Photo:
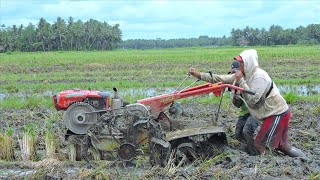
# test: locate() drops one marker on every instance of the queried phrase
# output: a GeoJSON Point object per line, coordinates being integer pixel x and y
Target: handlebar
{"type": "Point", "coordinates": [233, 87]}
{"type": "Point", "coordinates": [249, 92]}
{"type": "Point", "coordinates": [158, 103]}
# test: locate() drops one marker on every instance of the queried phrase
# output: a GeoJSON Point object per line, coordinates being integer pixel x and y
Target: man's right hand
{"type": "Point", "coordinates": [195, 73]}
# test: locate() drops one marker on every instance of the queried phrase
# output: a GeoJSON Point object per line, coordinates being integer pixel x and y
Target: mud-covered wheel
{"type": "Point", "coordinates": [185, 153]}
{"type": "Point", "coordinates": [160, 151]}
{"type": "Point", "coordinates": [159, 155]}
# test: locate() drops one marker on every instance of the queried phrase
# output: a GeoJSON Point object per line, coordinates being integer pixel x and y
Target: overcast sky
{"type": "Point", "coordinates": [167, 19]}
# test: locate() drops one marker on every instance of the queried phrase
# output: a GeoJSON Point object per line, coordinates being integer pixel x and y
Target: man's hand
{"type": "Point", "coordinates": [195, 73]}
{"type": "Point", "coordinates": [239, 75]}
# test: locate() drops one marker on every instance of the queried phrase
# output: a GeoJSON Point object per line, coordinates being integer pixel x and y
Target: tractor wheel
{"type": "Point", "coordinates": [185, 153]}
{"type": "Point", "coordinates": [159, 155]}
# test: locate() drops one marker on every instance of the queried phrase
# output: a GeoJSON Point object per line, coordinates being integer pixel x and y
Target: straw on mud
{"type": "Point", "coordinates": [6, 147]}
{"type": "Point", "coordinates": [51, 145]}
{"type": "Point", "coordinates": [170, 168]}
{"type": "Point", "coordinates": [97, 173]}
{"type": "Point", "coordinates": [51, 141]}
{"type": "Point", "coordinates": [94, 153]}
{"type": "Point", "coordinates": [206, 164]}
{"type": "Point", "coordinates": [72, 152]}
{"type": "Point", "coordinates": [28, 143]}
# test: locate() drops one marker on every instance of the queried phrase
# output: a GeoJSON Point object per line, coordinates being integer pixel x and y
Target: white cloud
{"type": "Point", "coordinates": [18, 22]}
{"type": "Point", "coordinates": [167, 18]}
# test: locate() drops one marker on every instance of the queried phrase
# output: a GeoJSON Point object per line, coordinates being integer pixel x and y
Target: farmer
{"type": "Point", "coordinates": [246, 124]}
{"type": "Point", "coordinates": [266, 104]}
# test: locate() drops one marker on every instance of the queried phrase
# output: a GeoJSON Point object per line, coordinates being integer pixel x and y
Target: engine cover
{"type": "Point", "coordinates": [98, 99]}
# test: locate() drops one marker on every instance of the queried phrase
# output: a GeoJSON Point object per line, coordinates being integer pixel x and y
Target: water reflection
{"type": "Point", "coordinates": [2, 96]}
{"type": "Point", "coordinates": [302, 90]}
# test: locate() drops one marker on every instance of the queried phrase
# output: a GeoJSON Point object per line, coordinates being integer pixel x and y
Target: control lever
{"type": "Point", "coordinates": [188, 76]}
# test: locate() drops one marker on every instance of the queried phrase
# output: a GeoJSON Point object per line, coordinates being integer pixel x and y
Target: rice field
{"type": "Point", "coordinates": [28, 80]}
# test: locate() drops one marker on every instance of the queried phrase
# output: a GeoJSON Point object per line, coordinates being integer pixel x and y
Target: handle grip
{"type": "Point", "coordinates": [249, 92]}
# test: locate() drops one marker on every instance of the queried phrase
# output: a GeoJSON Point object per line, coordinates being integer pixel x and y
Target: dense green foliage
{"type": "Point", "coordinates": [95, 35]}
{"type": "Point", "coordinates": [175, 43]}
{"type": "Point", "coordinates": [89, 35]}
{"type": "Point", "coordinates": [276, 35]}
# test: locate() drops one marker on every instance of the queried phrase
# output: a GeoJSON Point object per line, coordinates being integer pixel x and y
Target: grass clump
{"type": "Point", "coordinates": [291, 97]}
{"type": "Point", "coordinates": [98, 173]}
{"type": "Point", "coordinates": [51, 141]}
{"type": "Point", "coordinates": [6, 145]}
{"type": "Point", "coordinates": [205, 165]}
{"type": "Point", "coordinates": [314, 176]}
{"type": "Point", "coordinates": [28, 142]}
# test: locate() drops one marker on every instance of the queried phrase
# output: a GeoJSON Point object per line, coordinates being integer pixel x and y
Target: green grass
{"type": "Point", "coordinates": [179, 55]}
{"type": "Point", "coordinates": [34, 74]}
{"type": "Point", "coordinates": [30, 103]}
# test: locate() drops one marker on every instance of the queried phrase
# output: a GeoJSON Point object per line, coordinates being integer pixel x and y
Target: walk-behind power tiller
{"type": "Point", "coordinates": [110, 124]}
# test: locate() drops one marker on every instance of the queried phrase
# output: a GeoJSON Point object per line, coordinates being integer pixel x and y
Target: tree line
{"type": "Point", "coordinates": [61, 35]}
{"type": "Point", "coordinates": [73, 35]}
{"type": "Point", "coordinates": [248, 36]}
{"type": "Point", "coordinates": [276, 35]}
{"type": "Point", "coordinates": [174, 43]}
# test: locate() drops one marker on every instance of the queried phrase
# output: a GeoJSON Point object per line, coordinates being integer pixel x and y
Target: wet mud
{"type": "Point", "coordinates": [233, 163]}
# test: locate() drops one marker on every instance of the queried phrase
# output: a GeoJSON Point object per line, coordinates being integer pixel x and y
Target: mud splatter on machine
{"type": "Point", "coordinates": [110, 124]}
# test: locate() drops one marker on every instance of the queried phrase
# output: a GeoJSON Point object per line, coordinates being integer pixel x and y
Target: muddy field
{"type": "Point", "coordinates": [28, 81]}
{"type": "Point", "coordinates": [231, 164]}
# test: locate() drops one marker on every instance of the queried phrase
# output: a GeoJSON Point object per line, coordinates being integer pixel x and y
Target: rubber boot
{"type": "Point", "coordinates": [295, 152]}
{"type": "Point", "coordinates": [248, 133]}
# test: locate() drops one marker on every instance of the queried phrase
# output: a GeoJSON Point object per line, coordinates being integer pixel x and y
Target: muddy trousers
{"type": "Point", "coordinates": [245, 127]}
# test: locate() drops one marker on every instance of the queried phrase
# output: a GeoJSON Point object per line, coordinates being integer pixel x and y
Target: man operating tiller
{"type": "Point", "coordinates": [266, 104]}
{"type": "Point", "coordinates": [246, 124]}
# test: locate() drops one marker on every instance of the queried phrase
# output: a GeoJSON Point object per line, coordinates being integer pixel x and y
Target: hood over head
{"type": "Point", "coordinates": [250, 60]}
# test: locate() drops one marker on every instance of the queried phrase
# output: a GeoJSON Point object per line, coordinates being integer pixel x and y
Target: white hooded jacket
{"type": "Point", "coordinates": [257, 80]}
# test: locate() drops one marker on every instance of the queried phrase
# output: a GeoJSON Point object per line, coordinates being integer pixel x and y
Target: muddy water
{"type": "Point", "coordinates": [302, 90]}
{"type": "Point", "coordinates": [5, 173]}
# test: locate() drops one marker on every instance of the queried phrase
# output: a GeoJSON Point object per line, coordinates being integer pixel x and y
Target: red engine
{"type": "Point", "coordinates": [84, 107]}
{"type": "Point", "coordinates": [98, 100]}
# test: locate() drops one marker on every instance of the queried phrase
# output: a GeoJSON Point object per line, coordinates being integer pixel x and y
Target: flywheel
{"type": "Point", "coordinates": [126, 152]}
{"type": "Point", "coordinates": [79, 117]}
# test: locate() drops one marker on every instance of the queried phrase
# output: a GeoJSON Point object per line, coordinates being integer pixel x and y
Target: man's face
{"type": "Point", "coordinates": [241, 67]}
{"type": "Point", "coordinates": [234, 70]}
